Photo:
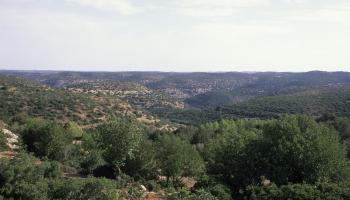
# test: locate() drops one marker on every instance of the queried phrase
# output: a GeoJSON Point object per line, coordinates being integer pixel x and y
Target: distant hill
{"type": "Point", "coordinates": [18, 95]}
{"type": "Point", "coordinates": [184, 98]}
{"type": "Point", "coordinates": [132, 92]}
{"type": "Point", "coordinates": [273, 84]}
{"type": "Point", "coordinates": [196, 88]}
{"type": "Point", "coordinates": [312, 102]}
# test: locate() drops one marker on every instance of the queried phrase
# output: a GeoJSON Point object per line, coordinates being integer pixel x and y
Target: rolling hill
{"type": "Point", "coordinates": [18, 95]}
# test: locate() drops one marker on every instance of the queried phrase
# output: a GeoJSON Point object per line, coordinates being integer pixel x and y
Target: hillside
{"type": "Point", "coordinates": [311, 102]}
{"type": "Point", "coordinates": [18, 95]}
{"type": "Point", "coordinates": [132, 92]}
{"type": "Point", "coordinates": [196, 88]}
{"type": "Point", "coordinates": [213, 141]}
{"type": "Point", "coordinates": [188, 98]}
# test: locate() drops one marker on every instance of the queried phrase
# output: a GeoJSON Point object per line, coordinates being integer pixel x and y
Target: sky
{"type": "Point", "coordinates": [175, 35]}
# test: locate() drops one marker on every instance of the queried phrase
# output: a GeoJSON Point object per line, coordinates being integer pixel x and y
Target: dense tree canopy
{"type": "Point", "coordinates": [292, 157]}
{"type": "Point", "coordinates": [177, 157]}
{"type": "Point", "coordinates": [3, 141]}
{"type": "Point", "coordinates": [46, 139]}
{"type": "Point", "coordinates": [118, 140]}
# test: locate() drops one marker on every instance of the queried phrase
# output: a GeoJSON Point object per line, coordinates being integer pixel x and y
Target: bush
{"type": "Point", "coordinates": [3, 141]}
{"type": "Point", "coordinates": [81, 189]}
{"type": "Point", "coordinates": [178, 157]}
{"type": "Point", "coordinates": [46, 139]}
{"type": "Point", "coordinates": [118, 141]}
{"type": "Point", "coordinates": [152, 185]}
{"type": "Point", "coordinates": [20, 178]}
{"type": "Point", "coordinates": [213, 186]}
{"type": "Point", "coordinates": [196, 195]}
{"type": "Point", "coordinates": [324, 191]}
{"type": "Point", "coordinates": [144, 164]}
{"type": "Point", "coordinates": [74, 130]}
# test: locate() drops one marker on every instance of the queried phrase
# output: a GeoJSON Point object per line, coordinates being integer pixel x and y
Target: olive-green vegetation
{"type": "Point", "coordinates": [290, 150]}
{"type": "Point", "coordinates": [3, 141]}
{"type": "Point", "coordinates": [291, 157]}
{"type": "Point", "coordinates": [178, 158]}
{"type": "Point", "coordinates": [134, 93]}
{"type": "Point", "coordinates": [74, 130]}
{"type": "Point", "coordinates": [81, 146]}
{"type": "Point", "coordinates": [23, 178]}
{"type": "Point", "coordinates": [311, 102]}
{"type": "Point", "coordinates": [46, 139]}
{"type": "Point", "coordinates": [118, 141]}
{"type": "Point", "coordinates": [22, 96]}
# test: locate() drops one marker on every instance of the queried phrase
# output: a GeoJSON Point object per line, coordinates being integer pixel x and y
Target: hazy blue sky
{"type": "Point", "coordinates": [175, 35]}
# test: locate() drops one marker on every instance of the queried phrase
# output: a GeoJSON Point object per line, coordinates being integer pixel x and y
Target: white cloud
{"type": "Point", "coordinates": [330, 15]}
{"type": "Point", "coordinates": [124, 7]}
{"type": "Point", "coordinates": [164, 34]}
{"type": "Point", "coordinates": [218, 8]}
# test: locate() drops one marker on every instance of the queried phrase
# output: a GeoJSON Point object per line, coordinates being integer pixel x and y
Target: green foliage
{"type": "Point", "coordinates": [186, 133]}
{"type": "Point", "coordinates": [90, 162]}
{"type": "Point", "coordinates": [143, 165]}
{"type": "Point", "coordinates": [21, 178]}
{"type": "Point", "coordinates": [46, 139]}
{"type": "Point", "coordinates": [91, 154]}
{"type": "Point", "coordinates": [227, 148]}
{"type": "Point", "coordinates": [74, 130]}
{"type": "Point", "coordinates": [3, 141]}
{"type": "Point", "coordinates": [342, 125]}
{"type": "Point", "coordinates": [290, 157]}
{"type": "Point", "coordinates": [98, 190]}
{"type": "Point", "coordinates": [19, 95]}
{"type": "Point", "coordinates": [209, 99]}
{"type": "Point", "coordinates": [187, 195]}
{"type": "Point", "coordinates": [296, 149]}
{"type": "Point", "coordinates": [178, 157]}
{"type": "Point", "coordinates": [323, 191]}
{"type": "Point", "coordinates": [118, 140]}
{"type": "Point", "coordinates": [212, 185]}
{"type": "Point", "coordinates": [201, 195]}
{"type": "Point", "coordinates": [24, 178]}
{"type": "Point", "coordinates": [310, 102]}
{"type": "Point", "coordinates": [293, 149]}
{"type": "Point", "coordinates": [81, 189]}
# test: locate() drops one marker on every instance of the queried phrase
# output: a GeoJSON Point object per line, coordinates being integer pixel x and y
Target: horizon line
{"type": "Point", "coordinates": [165, 71]}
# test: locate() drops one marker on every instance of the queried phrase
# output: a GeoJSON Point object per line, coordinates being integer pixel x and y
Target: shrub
{"type": "Point", "coordinates": [118, 141]}
{"type": "Point", "coordinates": [46, 139]}
{"type": "Point", "coordinates": [178, 157]}
{"type": "Point", "coordinates": [3, 141]}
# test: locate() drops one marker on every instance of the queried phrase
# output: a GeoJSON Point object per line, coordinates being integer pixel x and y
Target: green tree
{"type": "Point", "coordinates": [91, 157]}
{"type": "Point", "coordinates": [144, 163]}
{"type": "Point", "coordinates": [81, 189]}
{"type": "Point", "coordinates": [212, 185]}
{"type": "Point", "coordinates": [21, 178]}
{"type": "Point", "coordinates": [99, 189]}
{"type": "Point", "coordinates": [178, 158]}
{"type": "Point", "coordinates": [46, 139]}
{"type": "Point", "coordinates": [296, 149]}
{"type": "Point", "coordinates": [227, 149]}
{"type": "Point", "coordinates": [118, 141]}
{"type": "Point", "coordinates": [292, 149]}
{"type": "Point", "coordinates": [3, 141]}
{"type": "Point", "coordinates": [322, 191]}
{"type": "Point", "coordinates": [73, 129]}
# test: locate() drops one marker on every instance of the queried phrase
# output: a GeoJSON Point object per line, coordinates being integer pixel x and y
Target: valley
{"type": "Point", "coordinates": [166, 135]}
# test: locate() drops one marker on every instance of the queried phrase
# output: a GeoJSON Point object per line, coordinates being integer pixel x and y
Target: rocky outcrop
{"type": "Point", "coordinates": [12, 139]}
